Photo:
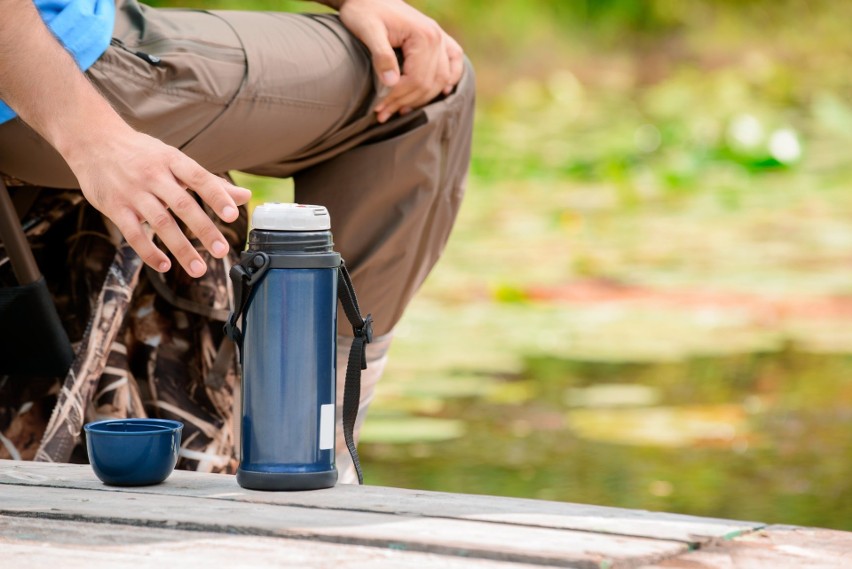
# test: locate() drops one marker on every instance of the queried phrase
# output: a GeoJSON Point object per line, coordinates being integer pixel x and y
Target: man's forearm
{"type": "Point", "coordinates": [42, 83]}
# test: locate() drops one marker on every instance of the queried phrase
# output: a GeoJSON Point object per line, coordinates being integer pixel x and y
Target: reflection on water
{"type": "Point", "coordinates": [764, 436]}
{"type": "Point", "coordinates": [723, 426]}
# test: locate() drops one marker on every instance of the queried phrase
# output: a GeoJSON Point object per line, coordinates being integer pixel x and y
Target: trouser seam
{"type": "Point", "coordinates": [145, 83]}
{"type": "Point", "coordinates": [290, 102]}
{"type": "Point", "coordinates": [237, 91]}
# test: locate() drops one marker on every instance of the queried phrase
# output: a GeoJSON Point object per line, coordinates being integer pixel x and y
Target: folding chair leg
{"type": "Point", "coordinates": [15, 241]}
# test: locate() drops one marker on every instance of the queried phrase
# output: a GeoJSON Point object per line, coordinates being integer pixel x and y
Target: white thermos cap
{"type": "Point", "coordinates": [290, 217]}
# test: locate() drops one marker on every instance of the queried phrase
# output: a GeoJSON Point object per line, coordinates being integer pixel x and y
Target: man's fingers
{"type": "Point", "coordinates": [130, 226]}
{"type": "Point", "coordinates": [165, 226]}
{"type": "Point", "coordinates": [374, 34]}
{"type": "Point", "coordinates": [414, 97]}
{"type": "Point", "coordinates": [417, 86]}
{"type": "Point", "coordinates": [456, 58]}
{"type": "Point", "coordinates": [442, 75]}
{"type": "Point", "coordinates": [241, 196]}
{"type": "Point", "coordinates": [426, 72]}
{"type": "Point", "coordinates": [209, 187]}
{"type": "Point", "coordinates": [184, 206]}
{"type": "Point", "coordinates": [390, 104]}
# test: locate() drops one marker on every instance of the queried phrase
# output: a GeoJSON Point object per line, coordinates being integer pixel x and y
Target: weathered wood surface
{"type": "Point", "coordinates": [51, 544]}
{"type": "Point", "coordinates": [61, 515]}
{"type": "Point", "coordinates": [522, 512]}
{"type": "Point", "coordinates": [773, 547]}
{"type": "Point", "coordinates": [474, 539]}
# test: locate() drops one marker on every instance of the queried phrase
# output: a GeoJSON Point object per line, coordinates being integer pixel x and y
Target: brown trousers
{"type": "Point", "coordinates": [287, 95]}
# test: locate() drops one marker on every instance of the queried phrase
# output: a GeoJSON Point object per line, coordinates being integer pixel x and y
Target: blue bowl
{"type": "Point", "coordinates": [133, 452]}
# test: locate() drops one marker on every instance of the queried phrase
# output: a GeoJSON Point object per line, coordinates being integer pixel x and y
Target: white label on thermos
{"type": "Point", "coordinates": [326, 438]}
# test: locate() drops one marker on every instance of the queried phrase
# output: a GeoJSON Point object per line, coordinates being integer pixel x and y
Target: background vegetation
{"type": "Point", "coordinates": [647, 301]}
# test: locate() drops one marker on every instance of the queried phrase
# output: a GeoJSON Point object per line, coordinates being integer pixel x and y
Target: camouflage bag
{"type": "Point", "coordinates": [146, 344]}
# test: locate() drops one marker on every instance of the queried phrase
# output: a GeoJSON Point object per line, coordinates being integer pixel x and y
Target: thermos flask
{"type": "Point", "coordinates": [286, 290]}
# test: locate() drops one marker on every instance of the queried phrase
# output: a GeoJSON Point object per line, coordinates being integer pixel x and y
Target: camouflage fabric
{"type": "Point", "coordinates": [146, 345]}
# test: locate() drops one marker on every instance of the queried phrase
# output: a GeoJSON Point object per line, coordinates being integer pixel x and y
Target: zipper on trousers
{"type": "Point", "coordinates": [152, 59]}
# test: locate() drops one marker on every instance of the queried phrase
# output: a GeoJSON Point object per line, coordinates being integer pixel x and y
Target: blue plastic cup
{"type": "Point", "coordinates": [133, 452]}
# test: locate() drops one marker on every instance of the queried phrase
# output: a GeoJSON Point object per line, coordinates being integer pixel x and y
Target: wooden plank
{"type": "Point", "coordinates": [48, 544]}
{"type": "Point", "coordinates": [464, 538]}
{"type": "Point", "coordinates": [534, 513]}
{"type": "Point", "coordinates": [775, 547]}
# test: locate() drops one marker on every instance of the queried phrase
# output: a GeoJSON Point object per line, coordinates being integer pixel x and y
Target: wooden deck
{"type": "Point", "coordinates": [54, 515]}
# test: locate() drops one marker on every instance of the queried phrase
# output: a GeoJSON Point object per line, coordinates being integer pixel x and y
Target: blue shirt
{"type": "Point", "coordinates": [84, 27]}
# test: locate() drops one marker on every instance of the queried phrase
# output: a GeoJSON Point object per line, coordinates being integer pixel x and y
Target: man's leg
{"type": "Point", "coordinates": [393, 202]}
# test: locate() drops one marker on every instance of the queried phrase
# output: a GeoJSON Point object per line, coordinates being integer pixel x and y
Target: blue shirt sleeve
{"type": "Point", "coordinates": [84, 27]}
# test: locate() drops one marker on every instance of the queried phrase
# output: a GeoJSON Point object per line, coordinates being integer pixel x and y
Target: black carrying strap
{"type": "Point", "coordinates": [362, 327]}
{"type": "Point", "coordinates": [244, 276]}
{"type": "Point", "coordinates": [249, 272]}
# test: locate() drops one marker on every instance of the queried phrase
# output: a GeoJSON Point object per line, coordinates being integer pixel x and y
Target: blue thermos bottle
{"type": "Point", "coordinates": [286, 290]}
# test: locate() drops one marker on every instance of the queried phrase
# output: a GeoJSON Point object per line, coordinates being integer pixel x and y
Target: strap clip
{"type": "Point", "coordinates": [365, 332]}
{"type": "Point", "coordinates": [244, 275]}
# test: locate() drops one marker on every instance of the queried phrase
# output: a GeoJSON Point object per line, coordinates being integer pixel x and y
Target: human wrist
{"type": "Point", "coordinates": [79, 136]}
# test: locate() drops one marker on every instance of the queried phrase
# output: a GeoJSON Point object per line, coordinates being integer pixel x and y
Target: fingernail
{"type": "Point", "coordinates": [197, 267]}
{"type": "Point", "coordinates": [229, 212]}
{"type": "Point", "coordinates": [383, 117]}
{"type": "Point", "coordinates": [163, 267]}
{"type": "Point", "coordinates": [389, 77]}
{"type": "Point", "coordinates": [219, 248]}
{"type": "Point", "coordinates": [384, 91]}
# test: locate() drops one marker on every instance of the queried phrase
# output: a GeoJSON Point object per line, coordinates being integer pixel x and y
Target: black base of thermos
{"type": "Point", "coordinates": [253, 480]}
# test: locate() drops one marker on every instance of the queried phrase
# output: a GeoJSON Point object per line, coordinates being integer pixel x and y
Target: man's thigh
{"type": "Point", "coordinates": [308, 82]}
{"type": "Point", "coordinates": [237, 89]}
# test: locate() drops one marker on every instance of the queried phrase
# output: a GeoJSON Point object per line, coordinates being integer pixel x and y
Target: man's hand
{"type": "Point", "coordinates": [135, 179]}
{"type": "Point", "coordinates": [433, 61]}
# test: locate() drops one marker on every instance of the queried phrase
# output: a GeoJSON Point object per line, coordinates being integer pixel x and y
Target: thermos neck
{"type": "Point", "coordinates": [295, 249]}
{"type": "Point", "coordinates": [287, 242]}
